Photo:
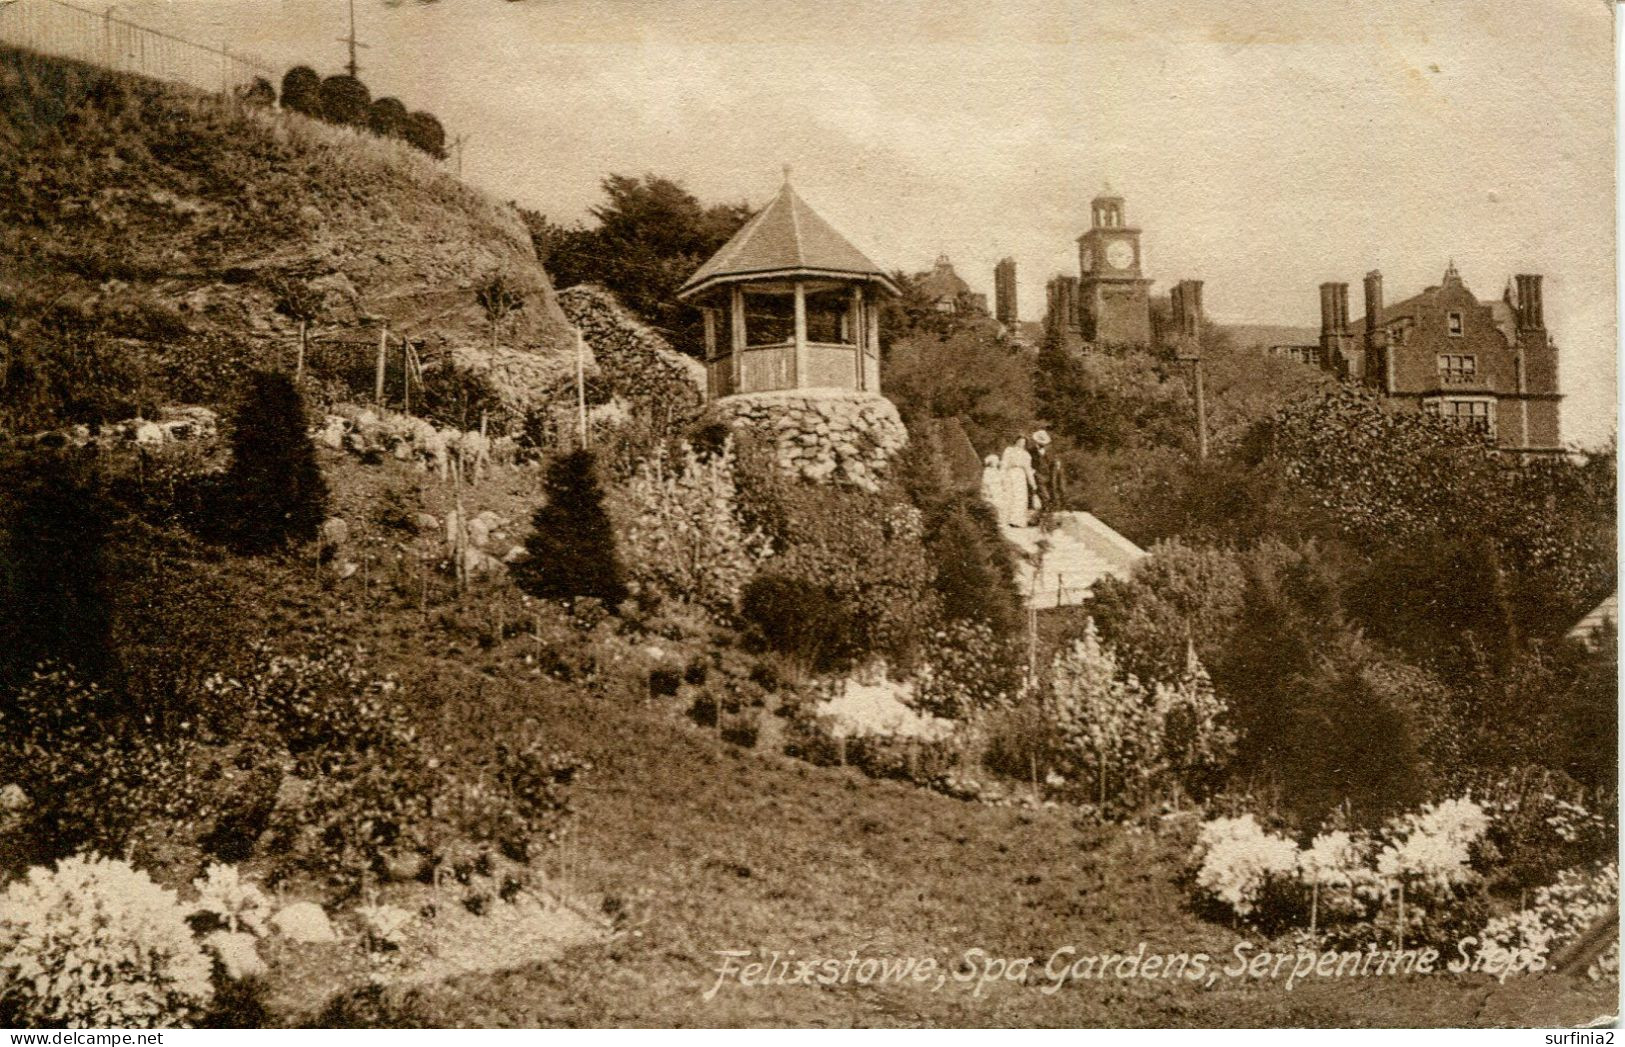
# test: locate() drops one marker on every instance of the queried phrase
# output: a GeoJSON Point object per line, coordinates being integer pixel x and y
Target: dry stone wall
{"type": "Point", "coordinates": [639, 366]}
{"type": "Point", "coordinates": [823, 435]}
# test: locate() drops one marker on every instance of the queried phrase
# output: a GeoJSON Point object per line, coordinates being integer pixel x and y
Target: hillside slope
{"type": "Point", "coordinates": [166, 221]}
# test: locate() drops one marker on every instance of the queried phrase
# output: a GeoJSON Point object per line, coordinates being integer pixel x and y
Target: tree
{"type": "Point", "coordinates": [967, 374]}
{"type": "Point", "coordinates": [499, 298]}
{"type": "Point", "coordinates": [302, 91]}
{"type": "Point", "coordinates": [276, 491]}
{"type": "Point", "coordinates": [387, 118]}
{"type": "Point", "coordinates": [425, 132]}
{"type": "Point", "coordinates": [345, 100]}
{"type": "Point", "coordinates": [651, 236]}
{"type": "Point", "coordinates": [572, 545]}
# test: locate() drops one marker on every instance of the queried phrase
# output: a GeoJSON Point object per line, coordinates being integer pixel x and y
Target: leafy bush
{"type": "Point", "coordinates": [371, 784]}
{"type": "Point", "coordinates": [93, 775]}
{"type": "Point", "coordinates": [1111, 725]}
{"type": "Point", "coordinates": [572, 545]}
{"type": "Point", "coordinates": [1179, 594]}
{"type": "Point", "coordinates": [864, 550]}
{"type": "Point", "coordinates": [387, 118]}
{"type": "Point", "coordinates": [965, 669]}
{"type": "Point", "coordinates": [523, 796]}
{"type": "Point", "coordinates": [94, 943]}
{"type": "Point", "coordinates": [797, 618]}
{"type": "Point", "coordinates": [276, 485]}
{"type": "Point", "coordinates": [683, 535]}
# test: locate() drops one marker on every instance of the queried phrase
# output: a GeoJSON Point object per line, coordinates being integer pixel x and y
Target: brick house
{"type": "Point", "coordinates": [1489, 365]}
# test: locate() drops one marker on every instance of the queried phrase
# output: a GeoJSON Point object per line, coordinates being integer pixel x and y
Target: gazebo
{"type": "Point", "coordinates": [789, 304]}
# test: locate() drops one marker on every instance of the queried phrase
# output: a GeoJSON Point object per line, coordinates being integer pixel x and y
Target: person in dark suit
{"type": "Point", "coordinates": [1049, 474]}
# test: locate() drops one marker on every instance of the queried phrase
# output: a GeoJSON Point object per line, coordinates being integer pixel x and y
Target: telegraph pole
{"type": "Point", "coordinates": [352, 67]}
{"type": "Point", "coordinates": [457, 144]}
{"type": "Point", "coordinates": [1187, 309]}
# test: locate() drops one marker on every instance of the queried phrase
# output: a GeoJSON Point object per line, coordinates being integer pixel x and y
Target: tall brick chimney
{"type": "Point", "coordinates": [1374, 328]}
{"type": "Point", "coordinates": [1531, 308]}
{"type": "Point", "coordinates": [1186, 300]}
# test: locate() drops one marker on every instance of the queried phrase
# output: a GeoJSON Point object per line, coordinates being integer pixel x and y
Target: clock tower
{"type": "Point", "coordinates": [1114, 300]}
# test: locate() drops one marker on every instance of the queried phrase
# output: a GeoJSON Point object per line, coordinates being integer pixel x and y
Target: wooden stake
{"type": "Point", "coordinates": [1401, 915]}
{"type": "Point", "coordinates": [581, 389]}
{"type": "Point", "coordinates": [406, 376]}
{"type": "Point", "coordinates": [383, 347]}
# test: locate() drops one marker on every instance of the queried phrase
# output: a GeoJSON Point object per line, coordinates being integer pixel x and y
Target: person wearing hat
{"type": "Point", "coordinates": [993, 485]}
{"type": "Point", "coordinates": [1047, 471]}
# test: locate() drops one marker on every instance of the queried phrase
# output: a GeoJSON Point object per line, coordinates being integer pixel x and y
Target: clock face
{"type": "Point", "coordinates": [1120, 254]}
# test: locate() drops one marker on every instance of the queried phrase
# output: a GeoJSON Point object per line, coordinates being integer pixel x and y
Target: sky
{"type": "Point", "coordinates": [1264, 146]}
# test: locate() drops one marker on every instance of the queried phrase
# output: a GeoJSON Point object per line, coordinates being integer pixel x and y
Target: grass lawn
{"type": "Point", "coordinates": [704, 846]}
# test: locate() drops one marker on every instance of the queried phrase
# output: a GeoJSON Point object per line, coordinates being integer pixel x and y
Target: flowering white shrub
{"type": "Point", "coordinates": [94, 943]}
{"type": "Point", "coordinates": [1432, 847]}
{"type": "Point", "coordinates": [683, 539]}
{"type": "Point", "coordinates": [1559, 913]}
{"type": "Point", "coordinates": [1238, 860]}
{"type": "Point", "coordinates": [231, 902]}
{"type": "Point", "coordinates": [1420, 864]}
{"type": "Point", "coordinates": [1196, 739]}
{"type": "Point", "coordinates": [881, 708]}
{"type": "Point", "coordinates": [1111, 726]}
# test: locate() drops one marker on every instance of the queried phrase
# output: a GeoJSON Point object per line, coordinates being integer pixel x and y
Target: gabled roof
{"type": "Point", "coordinates": [785, 239]}
{"type": "Point", "coordinates": [1603, 615]}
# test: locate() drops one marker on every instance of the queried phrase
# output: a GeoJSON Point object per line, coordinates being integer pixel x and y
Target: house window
{"type": "Point", "coordinates": [1455, 325]}
{"type": "Point", "coordinates": [1458, 369]}
{"type": "Point", "coordinates": [1476, 414]}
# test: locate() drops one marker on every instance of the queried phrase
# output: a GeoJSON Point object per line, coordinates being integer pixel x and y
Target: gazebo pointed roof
{"type": "Point", "coordinates": [784, 240]}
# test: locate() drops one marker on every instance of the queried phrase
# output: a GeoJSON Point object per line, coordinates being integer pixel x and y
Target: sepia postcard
{"type": "Point", "coordinates": [530, 514]}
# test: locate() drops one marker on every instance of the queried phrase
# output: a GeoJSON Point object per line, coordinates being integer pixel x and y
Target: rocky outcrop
{"type": "Point", "coordinates": [825, 434]}
{"type": "Point", "coordinates": [367, 433]}
{"type": "Point", "coordinates": [173, 425]}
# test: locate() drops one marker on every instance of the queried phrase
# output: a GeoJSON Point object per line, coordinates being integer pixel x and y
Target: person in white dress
{"type": "Point", "coordinates": [993, 485]}
{"type": "Point", "coordinates": [1018, 483]}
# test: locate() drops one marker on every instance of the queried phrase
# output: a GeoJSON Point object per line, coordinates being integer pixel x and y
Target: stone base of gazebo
{"type": "Point", "coordinates": [827, 435]}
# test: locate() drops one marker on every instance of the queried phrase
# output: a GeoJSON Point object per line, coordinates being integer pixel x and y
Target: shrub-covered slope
{"type": "Point", "coordinates": [149, 232]}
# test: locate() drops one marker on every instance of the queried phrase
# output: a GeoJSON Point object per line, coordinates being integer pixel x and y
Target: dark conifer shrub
{"type": "Point", "coordinates": [302, 91]}
{"type": "Point", "coordinates": [387, 118]}
{"type": "Point", "coordinates": [275, 493]}
{"type": "Point", "coordinates": [968, 577]}
{"type": "Point", "coordinates": [572, 547]}
{"type": "Point", "coordinates": [425, 132]}
{"type": "Point", "coordinates": [54, 598]}
{"type": "Point", "coordinates": [345, 100]}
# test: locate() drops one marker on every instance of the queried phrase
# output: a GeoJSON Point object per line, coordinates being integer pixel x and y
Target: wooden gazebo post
{"type": "Point", "coordinates": [798, 379]}
{"type": "Point", "coordinates": [736, 316]}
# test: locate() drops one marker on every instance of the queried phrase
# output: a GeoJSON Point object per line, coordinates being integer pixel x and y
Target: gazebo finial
{"type": "Point", "coordinates": [786, 174]}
